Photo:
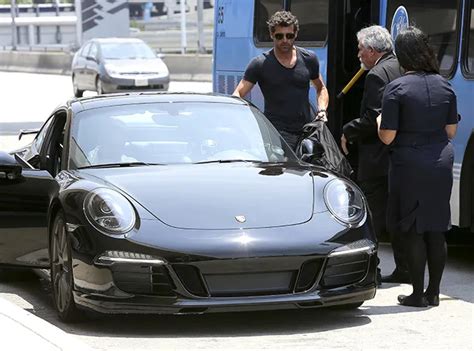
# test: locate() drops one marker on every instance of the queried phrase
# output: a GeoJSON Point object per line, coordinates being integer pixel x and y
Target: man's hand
{"type": "Point", "coordinates": [344, 145]}
{"type": "Point", "coordinates": [322, 115]}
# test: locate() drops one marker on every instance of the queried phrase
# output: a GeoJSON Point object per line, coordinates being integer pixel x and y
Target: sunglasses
{"type": "Point", "coordinates": [289, 36]}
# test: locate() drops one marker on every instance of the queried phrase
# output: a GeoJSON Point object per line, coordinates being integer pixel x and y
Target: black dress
{"type": "Point", "coordinates": [419, 106]}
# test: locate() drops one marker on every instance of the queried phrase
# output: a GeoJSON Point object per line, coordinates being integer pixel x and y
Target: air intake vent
{"type": "Point", "coordinates": [221, 84]}
{"type": "Point", "coordinates": [345, 270]}
{"type": "Point", "coordinates": [231, 84]}
{"type": "Point", "coordinates": [191, 279]}
{"type": "Point", "coordinates": [309, 272]}
{"type": "Point", "coordinates": [143, 280]}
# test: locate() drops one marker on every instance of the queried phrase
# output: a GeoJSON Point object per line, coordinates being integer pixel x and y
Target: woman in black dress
{"type": "Point", "coordinates": [419, 117]}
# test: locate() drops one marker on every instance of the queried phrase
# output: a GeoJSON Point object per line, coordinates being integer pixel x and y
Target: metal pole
{"type": "Point", "coordinates": [183, 26]}
{"type": "Point", "coordinates": [78, 8]}
{"type": "Point", "coordinates": [13, 14]}
{"type": "Point", "coordinates": [200, 24]}
{"type": "Point", "coordinates": [58, 28]}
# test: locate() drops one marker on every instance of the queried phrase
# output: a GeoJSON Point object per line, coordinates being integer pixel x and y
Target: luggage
{"type": "Point", "coordinates": [317, 146]}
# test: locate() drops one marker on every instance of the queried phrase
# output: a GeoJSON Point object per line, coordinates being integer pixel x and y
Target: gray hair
{"type": "Point", "coordinates": [375, 37]}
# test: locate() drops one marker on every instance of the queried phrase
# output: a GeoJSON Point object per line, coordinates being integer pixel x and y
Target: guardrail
{"type": "Point", "coordinates": [181, 67]}
{"type": "Point", "coordinates": [39, 31]}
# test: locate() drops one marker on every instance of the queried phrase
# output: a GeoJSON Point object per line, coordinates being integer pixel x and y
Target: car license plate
{"type": "Point", "coordinates": [141, 82]}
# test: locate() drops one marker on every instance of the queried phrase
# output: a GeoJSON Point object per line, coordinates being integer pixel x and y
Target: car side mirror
{"type": "Point", "coordinates": [160, 55]}
{"type": "Point", "coordinates": [307, 146]}
{"type": "Point", "coordinates": [10, 169]}
{"type": "Point", "coordinates": [91, 58]}
{"type": "Point", "coordinates": [310, 149]}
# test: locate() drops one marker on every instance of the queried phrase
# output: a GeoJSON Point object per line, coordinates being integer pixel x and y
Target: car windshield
{"type": "Point", "coordinates": [175, 133]}
{"type": "Point", "coordinates": [126, 50]}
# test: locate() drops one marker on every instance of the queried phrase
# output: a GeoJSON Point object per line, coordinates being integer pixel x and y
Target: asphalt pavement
{"type": "Point", "coordinates": [22, 330]}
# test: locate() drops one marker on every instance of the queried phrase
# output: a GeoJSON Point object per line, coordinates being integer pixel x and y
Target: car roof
{"type": "Point", "coordinates": [108, 100]}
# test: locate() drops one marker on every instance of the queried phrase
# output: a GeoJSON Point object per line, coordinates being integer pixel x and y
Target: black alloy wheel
{"type": "Point", "coordinates": [61, 271]}
{"type": "Point", "coordinates": [75, 88]}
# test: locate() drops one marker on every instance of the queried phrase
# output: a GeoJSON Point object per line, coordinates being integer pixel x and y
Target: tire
{"type": "Point", "coordinates": [77, 92]}
{"type": "Point", "coordinates": [62, 281]}
{"type": "Point", "coordinates": [98, 86]}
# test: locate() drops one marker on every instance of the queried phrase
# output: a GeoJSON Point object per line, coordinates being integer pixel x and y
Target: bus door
{"type": "Point", "coordinates": [241, 33]}
{"type": "Point", "coordinates": [346, 18]}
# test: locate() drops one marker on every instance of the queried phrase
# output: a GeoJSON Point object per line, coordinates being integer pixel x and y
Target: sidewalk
{"type": "Point", "coordinates": [22, 330]}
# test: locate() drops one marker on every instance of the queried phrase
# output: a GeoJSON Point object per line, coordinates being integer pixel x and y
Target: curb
{"type": "Point", "coordinates": [23, 330]}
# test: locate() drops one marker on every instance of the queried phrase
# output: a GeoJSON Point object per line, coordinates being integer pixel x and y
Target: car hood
{"type": "Point", "coordinates": [218, 196]}
{"type": "Point", "coordinates": [137, 66]}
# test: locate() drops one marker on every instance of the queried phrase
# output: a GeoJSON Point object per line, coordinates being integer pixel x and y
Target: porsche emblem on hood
{"type": "Point", "coordinates": [240, 219]}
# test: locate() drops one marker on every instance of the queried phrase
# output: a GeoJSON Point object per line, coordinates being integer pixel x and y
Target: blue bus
{"type": "Point", "coordinates": [328, 28]}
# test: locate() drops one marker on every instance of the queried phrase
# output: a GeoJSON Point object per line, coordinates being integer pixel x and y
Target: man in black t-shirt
{"type": "Point", "coordinates": [284, 74]}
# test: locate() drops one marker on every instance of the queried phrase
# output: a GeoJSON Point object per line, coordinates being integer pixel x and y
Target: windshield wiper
{"type": "Point", "coordinates": [228, 161]}
{"type": "Point", "coordinates": [121, 164]}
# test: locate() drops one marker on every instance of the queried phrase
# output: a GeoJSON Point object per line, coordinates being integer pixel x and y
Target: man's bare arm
{"type": "Point", "coordinates": [243, 88]}
{"type": "Point", "coordinates": [323, 97]}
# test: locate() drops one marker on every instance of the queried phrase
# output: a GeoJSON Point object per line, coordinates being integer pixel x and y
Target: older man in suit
{"type": "Point", "coordinates": [376, 56]}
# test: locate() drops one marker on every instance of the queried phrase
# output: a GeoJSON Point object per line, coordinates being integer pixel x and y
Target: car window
{"type": "Point", "coordinates": [93, 51]}
{"type": "Point", "coordinates": [85, 50]}
{"type": "Point", "coordinates": [175, 133]}
{"type": "Point", "coordinates": [54, 142]}
{"type": "Point", "coordinates": [126, 50]}
{"type": "Point", "coordinates": [38, 142]}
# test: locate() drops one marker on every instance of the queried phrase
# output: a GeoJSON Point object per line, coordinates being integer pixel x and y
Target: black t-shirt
{"type": "Point", "coordinates": [285, 90]}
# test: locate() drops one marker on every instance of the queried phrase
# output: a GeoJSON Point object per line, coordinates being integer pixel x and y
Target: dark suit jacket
{"type": "Point", "coordinates": [373, 154]}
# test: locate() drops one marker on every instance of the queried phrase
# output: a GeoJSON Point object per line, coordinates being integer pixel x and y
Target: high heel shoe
{"type": "Point", "coordinates": [413, 301]}
{"type": "Point", "coordinates": [433, 300]}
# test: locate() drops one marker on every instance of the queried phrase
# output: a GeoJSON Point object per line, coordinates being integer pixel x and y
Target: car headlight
{"type": "Point", "coordinates": [345, 202]}
{"type": "Point", "coordinates": [109, 211]}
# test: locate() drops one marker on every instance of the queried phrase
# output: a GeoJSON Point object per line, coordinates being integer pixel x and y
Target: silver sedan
{"type": "Point", "coordinates": [109, 65]}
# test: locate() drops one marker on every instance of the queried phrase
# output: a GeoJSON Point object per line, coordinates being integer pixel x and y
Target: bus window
{"type": "Point", "coordinates": [313, 19]}
{"type": "Point", "coordinates": [469, 63]}
{"type": "Point", "coordinates": [437, 18]}
{"type": "Point", "coordinates": [263, 10]}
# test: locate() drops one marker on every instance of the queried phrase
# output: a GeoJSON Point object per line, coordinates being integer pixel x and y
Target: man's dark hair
{"type": "Point", "coordinates": [283, 19]}
{"type": "Point", "coordinates": [414, 51]}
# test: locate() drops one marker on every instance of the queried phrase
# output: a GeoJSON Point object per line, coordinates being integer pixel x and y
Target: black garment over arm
{"type": "Point", "coordinates": [364, 128]}
{"type": "Point", "coordinates": [366, 125]}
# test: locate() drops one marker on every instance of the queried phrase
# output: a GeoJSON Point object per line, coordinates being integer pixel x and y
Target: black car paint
{"type": "Point", "coordinates": [210, 250]}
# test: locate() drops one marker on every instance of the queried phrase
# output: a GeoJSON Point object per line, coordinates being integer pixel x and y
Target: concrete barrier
{"type": "Point", "coordinates": [182, 67]}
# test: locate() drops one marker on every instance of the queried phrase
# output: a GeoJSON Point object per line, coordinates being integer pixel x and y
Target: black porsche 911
{"type": "Point", "coordinates": [180, 203]}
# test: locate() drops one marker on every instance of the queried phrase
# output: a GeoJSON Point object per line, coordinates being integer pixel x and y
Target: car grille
{"type": "Point", "coordinates": [138, 73]}
{"type": "Point", "coordinates": [345, 270]}
{"type": "Point", "coordinates": [143, 279]}
{"type": "Point", "coordinates": [249, 283]}
{"type": "Point", "coordinates": [133, 87]}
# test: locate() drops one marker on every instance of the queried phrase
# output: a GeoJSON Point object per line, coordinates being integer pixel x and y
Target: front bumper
{"type": "Point", "coordinates": [150, 305]}
{"type": "Point", "coordinates": [120, 84]}
{"type": "Point", "coordinates": [216, 285]}
{"type": "Point", "coordinates": [216, 271]}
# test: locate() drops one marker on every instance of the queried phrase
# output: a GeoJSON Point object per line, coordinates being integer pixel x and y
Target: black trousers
{"type": "Point", "coordinates": [376, 192]}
